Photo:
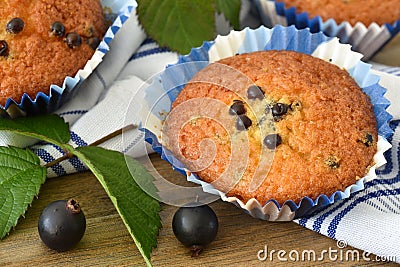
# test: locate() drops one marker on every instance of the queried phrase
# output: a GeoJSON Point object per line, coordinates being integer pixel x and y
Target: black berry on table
{"type": "Point", "coordinates": [195, 227]}
{"type": "Point", "coordinates": [62, 224]}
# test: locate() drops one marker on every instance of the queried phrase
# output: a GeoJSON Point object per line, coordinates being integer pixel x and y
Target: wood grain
{"type": "Point", "coordinates": [107, 242]}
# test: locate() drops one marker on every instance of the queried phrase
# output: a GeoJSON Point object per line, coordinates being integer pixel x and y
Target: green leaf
{"type": "Point", "coordinates": [231, 10]}
{"type": "Point", "coordinates": [178, 24]}
{"type": "Point", "coordinates": [138, 210]}
{"type": "Point", "coordinates": [50, 128]}
{"type": "Point", "coordinates": [20, 179]}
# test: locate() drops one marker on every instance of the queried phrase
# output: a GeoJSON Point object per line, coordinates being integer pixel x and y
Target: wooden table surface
{"type": "Point", "coordinates": [107, 242]}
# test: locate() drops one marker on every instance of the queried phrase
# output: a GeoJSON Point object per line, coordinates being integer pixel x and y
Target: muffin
{"type": "Point", "coordinates": [43, 41]}
{"type": "Point", "coordinates": [365, 24]}
{"type": "Point", "coordinates": [364, 11]}
{"type": "Point", "coordinates": [308, 116]}
{"type": "Point", "coordinates": [256, 104]}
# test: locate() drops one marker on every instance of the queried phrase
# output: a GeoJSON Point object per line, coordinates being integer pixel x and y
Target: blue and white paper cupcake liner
{"type": "Point", "coordinates": [366, 39]}
{"type": "Point", "coordinates": [166, 86]}
{"type": "Point", "coordinates": [117, 10]}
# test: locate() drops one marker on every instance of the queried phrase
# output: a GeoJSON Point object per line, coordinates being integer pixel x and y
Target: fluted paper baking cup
{"type": "Point", "coordinates": [366, 39]}
{"type": "Point", "coordinates": [118, 11]}
{"type": "Point", "coordinates": [165, 88]}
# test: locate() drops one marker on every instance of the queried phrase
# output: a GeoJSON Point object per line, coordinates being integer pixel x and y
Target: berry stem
{"type": "Point", "coordinates": [56, 161]}
{"type": "Point", "coordinates": [196, 250]}
{"type": "Point", "coordinates": [113, 134]}
{"type": "Point", "coordinates": [73, 206]}
{"type": "Point", "coordinates": [69, 155]}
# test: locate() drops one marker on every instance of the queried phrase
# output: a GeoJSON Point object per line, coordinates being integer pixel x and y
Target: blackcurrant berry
{"type": "Point", "coordinates": [57, 28]}
{"type": "Point", "coordinates": [237, 108]}
{"type": "Point", "coordinates": [62, 224]}
{"type": "Point", "coordinates": [16, 25]}
{"type": "Point", "coordinates": [195, 227]}
{"type": "Point", "coordinates": [255, 92]}
{"type": "Point", "coordinates": [272, 141]}
{"type": "Point", "coordinates": [279, 109]}
{"type": "Point", "coordinates": [93, 42]}
{"type": "Point", "coordinates": [73, 39]}
{"type": "Point", "coordinates": [3, 48]}
{"type": "Point", "coordinates": [243, 123]}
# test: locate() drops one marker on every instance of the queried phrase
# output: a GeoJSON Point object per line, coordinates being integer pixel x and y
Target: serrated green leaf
{"type": "Point", "coordinates": [180, 24]}
{"type": "Point", "coordinates": [231, 10]}
{"type": "Point", "coordinates": [50, 128]}
{"type": "Point", "coordinates": [138, 210]}
{"type": "Point", "coordinates": [20, 179]}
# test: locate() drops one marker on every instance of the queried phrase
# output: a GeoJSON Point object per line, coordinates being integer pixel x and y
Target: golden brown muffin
{"type": "Point", "coordinates": [288, 123]}
{"type": "Point", "coordinates": [353, 11]}
{"type": "Point", "coordinates": [35, 52]}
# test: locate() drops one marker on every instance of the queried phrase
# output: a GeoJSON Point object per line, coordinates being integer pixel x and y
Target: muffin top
{"type": "Point", "coordinates": [43, 41]}
{"type": "Point", "coordinates": [353, 11]}
{"type": "Point", "coordinates": [273, 125]}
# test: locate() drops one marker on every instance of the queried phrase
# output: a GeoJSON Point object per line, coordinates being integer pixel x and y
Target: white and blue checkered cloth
{"type": "Point", "coordinates": [368, 220]}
